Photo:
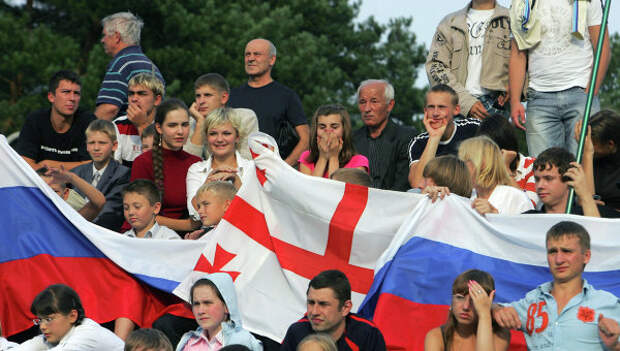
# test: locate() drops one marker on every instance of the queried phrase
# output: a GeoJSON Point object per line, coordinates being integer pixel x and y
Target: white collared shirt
{"type": "Point", "coordinates": [155, 232]}
{"type": "Point", "coordinates": [198, 173]}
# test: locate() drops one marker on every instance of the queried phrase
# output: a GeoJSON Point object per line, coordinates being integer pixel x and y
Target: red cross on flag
{"type": "Point", "coordinates": [284, 227]}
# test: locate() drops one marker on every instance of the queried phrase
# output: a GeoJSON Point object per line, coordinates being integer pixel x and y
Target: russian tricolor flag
{"type": "Point", "coordinates": [411, 291]}
{"type": "Point", "coordinates": [44, 241]}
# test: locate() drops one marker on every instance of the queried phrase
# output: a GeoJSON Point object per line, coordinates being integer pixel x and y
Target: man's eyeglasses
{"type": "Point", "coordinates": [44, 320]}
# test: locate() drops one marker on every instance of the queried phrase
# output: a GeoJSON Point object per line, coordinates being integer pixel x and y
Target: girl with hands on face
{"type": "Point", "coordinates": [469, 325]}
{"type": "Point", "coordinates": [331, 144]}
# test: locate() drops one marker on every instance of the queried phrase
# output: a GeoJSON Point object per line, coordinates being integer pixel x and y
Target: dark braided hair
{"type": "Point", "coordinates": [162, 111]}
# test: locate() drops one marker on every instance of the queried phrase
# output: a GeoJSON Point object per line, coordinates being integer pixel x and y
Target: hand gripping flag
{"type": "Point", "coordinates": [284, 227]}
{"type": "Point", "coordinates": [412, 289]}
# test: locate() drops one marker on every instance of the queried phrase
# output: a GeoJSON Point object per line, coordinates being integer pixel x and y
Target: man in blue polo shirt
{"type": "Point", "coordinates": [566, 313]}
{"type": "Point", "coordinates": [121, 40]}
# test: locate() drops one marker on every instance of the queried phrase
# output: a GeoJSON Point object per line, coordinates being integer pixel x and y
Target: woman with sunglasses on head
{"type": "Point", "coordinates": [60, 316]}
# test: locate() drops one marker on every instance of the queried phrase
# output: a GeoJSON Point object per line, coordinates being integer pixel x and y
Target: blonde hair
{"type": "Point", "coordinates": [324, 341]}
{"type": "Point", "coordinates": [487, 160]}
{"type": "Point", "coordinates": [149, 81]}
{"type": "Point", "coordinates": [224, 190]}
{"type": "Point", "coordinates": [225, 115]}
{"type": "Point", "coordinates": [103, 126]}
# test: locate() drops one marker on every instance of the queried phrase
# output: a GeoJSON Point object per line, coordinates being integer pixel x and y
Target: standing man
{"type": "Point", "coordinates": [272, 102]}
{"type": "Point", "coordinates": [553, 43]}
{"type": "Point", "coordinates": [121, 40]}
{"type": "Point", "coordinates": [382, 141]}
{"type": "Point", "coordinates": [443, 135]}
{"type": "Point", "coordinates": [566, 313]}
{"type": "Point", "coordinates": [470, 53]}
{"type": "Point", "coordinates": [54, 137]}
{"type": "Point", "coordinates": [329, 312]}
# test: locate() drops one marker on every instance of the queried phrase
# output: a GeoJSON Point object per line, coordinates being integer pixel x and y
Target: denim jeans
{"type": "Point", "coordinates": [489, 102]}
{"type": "Point", "coordinates": [551, 118]}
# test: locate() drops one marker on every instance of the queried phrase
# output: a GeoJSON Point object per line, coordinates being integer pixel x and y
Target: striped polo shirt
{"type": "Point", "coordinates": [125, 64]}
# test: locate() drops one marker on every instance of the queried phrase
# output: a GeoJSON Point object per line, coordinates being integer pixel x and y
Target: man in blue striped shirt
{"type": "Point", "coordinates": [121, 40]}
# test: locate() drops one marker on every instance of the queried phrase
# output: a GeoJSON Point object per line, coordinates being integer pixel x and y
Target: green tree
{"type": "Point", "coordinates": [323, 54]}
{"type": "Point", "coordinates": [29, 57]}
{"type": "Point", "coordinates": [610, 90]}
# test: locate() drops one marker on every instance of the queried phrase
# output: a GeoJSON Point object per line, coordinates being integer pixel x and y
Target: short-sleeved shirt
{"type": "Point", "coordinates": [125, 64]}
{"type": "Point", "coordinates": [359, 334]}
{"type": "Point", "coordinates": [561, 60]}
{"type": "Point", "coordinates": [129, 141]}
{"type": "Point", "coordinates": [464, 128]}
{"type": "Point", "coordinates": [272, 103]}
{"type": "Point", "coordinates": [356, 161]}
{"type": "Point", "coordinates": [39, 141]}
{"type": "Point", "coordinates": [575, 328]}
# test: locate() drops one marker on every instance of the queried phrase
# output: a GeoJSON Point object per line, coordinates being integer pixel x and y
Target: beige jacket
{"type": "Point", "coordinates": [447, 59]}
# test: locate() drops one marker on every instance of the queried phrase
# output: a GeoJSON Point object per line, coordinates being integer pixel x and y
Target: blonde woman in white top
{"type": "Point", "coordinates": [224, 135]}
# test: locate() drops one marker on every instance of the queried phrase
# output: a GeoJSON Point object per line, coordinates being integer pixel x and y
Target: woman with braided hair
{"type": "Point", "coordinates": [166, 164]}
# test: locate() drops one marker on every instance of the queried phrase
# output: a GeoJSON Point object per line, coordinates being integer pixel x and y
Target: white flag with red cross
{"type": "Point", "coordinates": [284, 227]}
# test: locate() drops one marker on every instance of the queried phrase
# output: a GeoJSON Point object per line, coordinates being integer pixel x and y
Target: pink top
{"type": "Point", "coordinates": [356, 161]}
{"type": "Point", "coordinates": [203, 344]}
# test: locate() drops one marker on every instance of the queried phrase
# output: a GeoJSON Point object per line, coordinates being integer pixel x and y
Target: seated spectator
{"type": "Point", "coordinates": [224, 133]}
{"type": "Point", "coordinates": [443, 134]}
{"type": "Point", "coordinates": [214, 304]}
{"type": "Point", "coordinates": [55, 136]}
{"type": "Point", "coordinates": [329, 311]}
{"type": "Point", "coordinates": [605, 127]}
{"type": "Point", "coordinates": [4, 343]}
{"type": "Point", "coordinates": [145, 92]}
{"type": "Point", "coordinates": [353, 176]}
{"type": "Point", "coordinates": [314, 342]}
{"type": "Point", "coordinates": [331, 144]}
{"type": "Point", "coordinates": [212, 201]}
{"type": "Point", "coordinates": [555, 170]}
{"type": "Point", "coordinates": [383, 142]}
{"type": "Point", "coordinates": [470, 325]}
{"type": "Point", "coordinates": [493, 185]}
{"type": "Point", "coordinates": [105, 173]}
{"type": "Point", "coordinates": [566, 313]}
{"type": "Point", "coordinates": [167, 164]}
{"type": "Point", "coordinates": [141, 205]}
{"type": "Point", "coordinates": [519, 166]}
{"type": "Point", "coordinates": [58, 178]}
{"type": "Point", "coordinates": [60, 316]}
{"type": "Point", "coordinates": [147, 136]}
{"type": "Point", "coordinates": [212, 92]}
{"type": "Point", "coordinates": [147, 340]}
{"type": "Point", "coordinates": [444, 175]}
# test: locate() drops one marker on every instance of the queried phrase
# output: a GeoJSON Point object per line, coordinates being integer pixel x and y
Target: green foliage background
{"type": "Point", "coordinates": [323, 53]}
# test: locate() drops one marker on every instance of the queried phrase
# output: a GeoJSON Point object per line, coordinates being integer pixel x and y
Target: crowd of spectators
{"type": "Point", "coordinates": [147, 166]}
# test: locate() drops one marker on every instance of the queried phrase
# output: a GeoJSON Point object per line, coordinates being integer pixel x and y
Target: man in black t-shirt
{"type": "Point", "coordinates": [55, 136]}
{"type": "Point", "coordinates": [443, 134]}
{"type": "Point", "coordinates": [271, 101]}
